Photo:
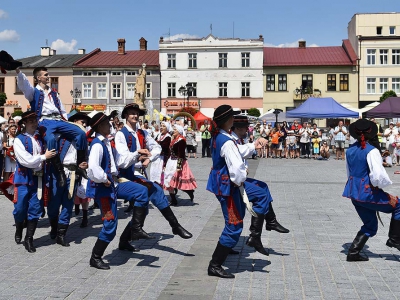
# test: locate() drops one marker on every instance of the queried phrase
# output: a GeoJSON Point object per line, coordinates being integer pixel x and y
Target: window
{"type": "Point", "coordinates": [148, 73]}
{"type": "Point", "coordinates": [54, 83]}
{"type": "Point", "coordinates": [307, 82]}
{"type": "Point", "coordinates": [282, 82]}
{"type": "Point", "coordinates": [223, 60]}
{"type": "Point", "coordinates": [245, 89]}
{"type": "Point", "coordinates": [223, 89]}
{"type": "Point", "coordinates": [102, 90]}
{"type": "Point", "coordinates": [17, 90]}
{"type": "Point", "coordinates": [116, 90]}
{"type": "Point", "coordinates": [392, 30]}
{"type": "Point", "coordinates": [194, 91]}
{"type": "Point", "coordinates": [371, 56]}
{"type": "Point", "coordinates": [379, 30]}
{"type": "Point", "coordinates": [396, 85]}
{"type": "Point", "coordinates": [87, 90]}
{"type": "Point", "coordinates": [171, 61]}
{"type": "Point", "coordinates": [102, 73]}
{"type": "Point", "coordinates": [344, 82]}
{"type": "Point", "coordinates": [395, 56]}
{"type": "Point", "coordinates": [87, 73]}
{"type": "Point", "coordinates": [130, 73]}
{"type": "Point", "coordinates": [331, 82]}
{"type": "Point", "coordinates": [171, 89]}
{"type": "Point", "coordinates": [371, 85]}
{"type": "Point", "coordinates": [383, 85]}
{"type": "Point", "coordinates": [130, 90]}
{"type": "Point", "coordinates": [383, 56]}
{"type": "Point", "coordinates": [270, 82]}
{"type": "Point", "coordinates": [148, 90]}
{"type": "Point", "coordinates": [245, 59]}
{"type": "Point", "coordinates": [192, 60]}
{"type": "Point", "coordinates": [116, 73]}
{"type": "Point", "coordinates": [2, 85]}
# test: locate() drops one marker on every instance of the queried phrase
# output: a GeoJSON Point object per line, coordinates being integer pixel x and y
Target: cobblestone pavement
{"type": "Point", "coordinates": [308, 263]}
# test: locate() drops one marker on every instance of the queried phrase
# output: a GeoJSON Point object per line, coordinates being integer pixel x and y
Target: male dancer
{"type": "Point", "coordinates": [227, 175]}
{"type": "Point", "coordinates": [52, 118]}
{"type": "Point", "coordinates": [136, 148]}
{"type": "Point", "coordinates": [28, 179]}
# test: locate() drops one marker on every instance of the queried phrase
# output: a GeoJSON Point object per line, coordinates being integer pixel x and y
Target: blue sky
{"type": "Point", "coordinates": [72, 24]}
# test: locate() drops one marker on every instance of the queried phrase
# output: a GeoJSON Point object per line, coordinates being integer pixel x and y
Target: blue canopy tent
{"type": "Point", "coordinates": [321, 108]}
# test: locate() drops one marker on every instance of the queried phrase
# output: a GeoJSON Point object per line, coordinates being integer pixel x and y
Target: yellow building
{"type": "Point", "coordinates": [292, 75]}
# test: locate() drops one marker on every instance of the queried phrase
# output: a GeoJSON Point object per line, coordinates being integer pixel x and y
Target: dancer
{"type": "Point", "coordinates": [158, 165]}
{"type": "Point", "coordinates": [366, 179]}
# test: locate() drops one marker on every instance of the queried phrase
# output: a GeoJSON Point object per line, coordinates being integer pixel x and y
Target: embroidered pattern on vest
{"type": "Point", "coordinates": [107, 214]}
{"type": "Point", "coordinates": [233, 214]}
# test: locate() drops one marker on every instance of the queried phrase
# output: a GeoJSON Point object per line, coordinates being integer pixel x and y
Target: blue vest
{"type": "Point", "coordinates": [358, 186]}
{"type": "Point", "coordinates": [24, 175]}
{"type": "Point", "coordinates": [37, 102]}
{"type": "Point", "coordinates": [98, 190]}
{"type": "Point", "coordinates": [129, 173]}
{"type": "Point", "coordinates": [219, 182]}
{"type": "Point", "coordinates": [63, 146]}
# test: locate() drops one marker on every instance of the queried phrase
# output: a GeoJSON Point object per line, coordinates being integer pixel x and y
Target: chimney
{"type": "Point", "coordinates": [143, 44]}
{"type": "Point", "coordinates": [45, 51]}
{"type": "Point", "coordinates": [302, 44]}
{"type": "Point", "coordinates": [161, 40]}
{"type": "Point", "coordinates": [81, 51]}
{"type": "Point", "coordinates": [261, 38]}
{"type": "Point", "coordinates": [53, 52]}
{"type": "Point", "coordinates": [121, 46]}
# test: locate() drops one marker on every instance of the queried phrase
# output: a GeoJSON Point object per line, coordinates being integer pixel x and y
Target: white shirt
{"type": "Point", "coordinates": [234, 161]}
{"type": "Point", "coordinates": [31, 161]}
{"type": "Point", "coordinates": [126, 158]}
{"type": "Point", "coordinates": [305, 135]}
{"type": "Point", "coordinates": [69, 159]}
{"type": "Point", "coordinates": [95, 172]}
{"type": "Point", "coordinates": [48, 105]}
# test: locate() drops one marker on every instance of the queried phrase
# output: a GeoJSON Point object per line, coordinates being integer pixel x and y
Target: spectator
{"type": "Point", "coordinates": [295, 124]}
{"type": "Point", "coordinates": [324, 150]}
{"type": "Point", "coordinates": [261, 147]}
{"type": "Point", "coordinates": [340, 138]}
{"type": "Point", "coordinates": [156, 132]}
{"type": "Point", "coordinates": [315, 140]}
{"type": "Point", "coordinates": [305, 133]}
{"type": "Point", "coordinates": [281, 140]}
{"type": "Point", "coordinates": [275, 134]}
{"type": "Point", "coordinates": [380, 132]}
{"type": "Point", "coordinates": [291, 141]}
{"type": "Point", "coordinates": [387, 159]}
{"type": "Point", "coordinates": [191, 143]}
{"type": "Point", "coordinates": [296, 132]}
{"type": "Point", "coordinates": [397, 153]}
{"type": "Point", "coordinates": [205, 139]}
{"type": "Point", "coordinates": [390, 133]}
{"type": "Point", "coordinates": [331, 135]}
{"type": "Point", "coordinates": [147, 128]}
{"type": "Point", "coordinates": [8, 146]}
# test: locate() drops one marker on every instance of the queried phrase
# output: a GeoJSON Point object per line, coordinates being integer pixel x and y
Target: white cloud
{"type": "Point", "coordinates": [9, 36]}
{"type": "Point", "coordinates": [181, 36]}
{"type": "Point", "coordinates": [289, 45]}
{"type": "Point", "coordinates": [64, 47]}
{"type": "Point", "coordinates": [3, 14]}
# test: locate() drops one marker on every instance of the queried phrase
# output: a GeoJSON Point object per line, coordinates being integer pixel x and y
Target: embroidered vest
{"type": "Point", "coordinates": [129, 173]}
{"type": "Point", "coordinates": [37, 102]}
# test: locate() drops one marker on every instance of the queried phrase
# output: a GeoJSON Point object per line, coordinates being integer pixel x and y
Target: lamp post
{"type": "Point", "coordinates": [76, 94]}
{"type": "Point", "coordinates": [277, 111]}
{"type": "Point", "coordinates": [186, 92]}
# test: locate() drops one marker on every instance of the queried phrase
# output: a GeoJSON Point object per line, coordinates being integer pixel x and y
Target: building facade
{"type": "Point", "coordinates": [106, 79]}
{"type": "Point", "coordinates": [376, 40]}
{"type": "Point", "coordinates": [219, 71]}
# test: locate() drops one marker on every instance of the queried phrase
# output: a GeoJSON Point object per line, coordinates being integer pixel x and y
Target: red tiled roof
{"type": "Point", "coordinates": [312, 56]}
{"type": "Point", "coordinates": [136, 58]}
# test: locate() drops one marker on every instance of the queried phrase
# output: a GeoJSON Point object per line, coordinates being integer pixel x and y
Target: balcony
{"type": "Point", "coordinates": [300, 94]}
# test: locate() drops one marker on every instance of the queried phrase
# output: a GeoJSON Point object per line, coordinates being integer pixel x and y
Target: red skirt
{"type": "Point", "coordinates": [183, 180]}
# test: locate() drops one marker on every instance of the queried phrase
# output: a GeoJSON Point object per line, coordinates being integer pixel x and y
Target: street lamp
{"type": "Point", "coordinates": [277, 111]}
{"type": "Point", "coordinates": [76, 94]}
{"type": "Point", "coordinates": [186, 91]}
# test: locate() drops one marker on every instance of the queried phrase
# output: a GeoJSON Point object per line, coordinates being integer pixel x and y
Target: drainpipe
{"type": "Point", "coordinates": [358, 68]}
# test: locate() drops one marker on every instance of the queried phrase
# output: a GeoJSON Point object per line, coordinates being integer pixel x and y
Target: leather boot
{"type": "Point", "coordinates": [190, 193]}
{"type": "Point", "coordinates": [97, 253]}
{"type": "Point", "coordinates": [233, 252]}
{"type": "Point", "coordinates": [394, 234]}
{"type": "Point", "coordinates": [84, 219]}
{"type": "Point", "coordinates": [77, 209]}
{"type": "Point", "coordinates": [271, 223]}
{"type": "Point", "coordinates": [19, 227]}
{"type": "Point", "coordinates": [177, 229]}
{"type": "Point", "coordinates": [215, 267]}
{"type": "Point", "coordinates": [59, 170]}
{"type": "Point", "coordinates": [62, 231]}
{"type": "Point", "coordinates": [30, 231]}
{"type": "Point", "coordinates": [254, 239]}
{"type": "Point", "coordinates": [53, 226]}
{"type": "Point", "coordinates": [80, 158]}
{"type": "Point", "coordinates": [138, 217]}
{"type": "Point", "coordinates": [124, 240]}
{"type": "Point", "coordinates": [356, 247]}
{"type": "Point", "coordinates": [173, 201]}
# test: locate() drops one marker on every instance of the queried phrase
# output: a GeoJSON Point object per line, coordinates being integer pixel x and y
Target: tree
{"type": "Point", "coordinates": [255, 112]}
{"type": "Point", "coordinates": [386, 95]}
{"type": "Point", "coordinates": [17, 113]}
{"type": "Point", "coordinates": [189, 110]}
{"type": "Point", "coordinates": [3, 98]}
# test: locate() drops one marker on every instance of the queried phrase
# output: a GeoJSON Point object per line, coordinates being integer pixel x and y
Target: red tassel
{"type": "Point", "coordinates": [363, 145]}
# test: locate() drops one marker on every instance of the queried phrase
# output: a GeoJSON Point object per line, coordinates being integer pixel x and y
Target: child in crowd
{"type": "Point", "coordinates": [261, 147]}
{"type": "Point", "coordinates": [275, 142]}
{"type": "Point", "coordinates": [291, 141]}
{"type": "Point", "coordinates": [324, 150]}
{"type": "Point", "coordinates": [315, 140]}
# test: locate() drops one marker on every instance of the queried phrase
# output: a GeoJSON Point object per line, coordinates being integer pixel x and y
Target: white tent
{"type": "Point", "coordinates": [2, 120]}
{"type": "Point", "coordinates": [93, 113]}
{"type": "Point", "coordinates": [369, 106]}
{"type": "Point", "coordinates": [348, 106]}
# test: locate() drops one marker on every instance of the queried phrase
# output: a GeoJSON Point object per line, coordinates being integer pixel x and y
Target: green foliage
{"type": "Point", "coordinates": [386, 95]}
{"type": "Point", "coordinates": [3, 98]}
{"type": "Point", "coordinates": [255, 112]}
{"type": "Point", "coordinates": [17, 113]}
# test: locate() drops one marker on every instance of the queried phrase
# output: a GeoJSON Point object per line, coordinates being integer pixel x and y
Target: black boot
{"type": "Point", "coordinates": [77, 209]}
{"type": "Point", "coordinates": [84, 219]}
{"type": "Point", "coordinates": [80, 158]}
{"type": "Point", "coordinates": [62, 231]}
{"type": "Point", "coordinates": [97, 253]}
{"type": "Point", "coordinates": [394, 234]}
{"type": "Point", "coordinates": [53, 226]}
{"type": "Point", "coordinates": [19, 227]}
{"type": "Point", "coordinates": [30, 231]}
{"type": "Point", "coordinates": [233, 252]}
{"type": "Point", "coordinates": [356, 247]}
{"type": "Point", "coordinates": [138, 217]}
{"type": "Point", "coordinates": [215, 267]}
{"type": "Point", "coordinates": [191, 194]}
{"type": "Point", "coordinates": [59, 170]}
{"type": "Point", "coordinates": [254, 239]}
{"type": "Point", "coordinates": [173, 201]}
{"type": "Point", "coordinates": [124, 240]}
{"type": "Point", "coordinates": [271, 223]}
{"type": "Point", "coordinates": [177, 229]}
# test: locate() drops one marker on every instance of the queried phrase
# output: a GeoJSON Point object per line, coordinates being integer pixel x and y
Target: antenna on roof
{"type": "Point", "coordinates": [211, 28]}
{"type": "Point", "coordinates": [168, 34]}
{"type": "Point", "coordinates": [47, 42]}
{"type": "Point", "coordinates": [233, 30]}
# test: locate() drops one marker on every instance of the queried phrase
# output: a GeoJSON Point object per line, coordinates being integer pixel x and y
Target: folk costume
{"type": "Point", "coordinates": [177, 175]}
{"type": "Point", "coordinates": [366, 179]}
{"type": "Point", "coordinates": [158, 165]}
{"type": "Point", "coordinates": [52, 119]}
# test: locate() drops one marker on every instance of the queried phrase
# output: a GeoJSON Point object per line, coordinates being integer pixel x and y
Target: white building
{"type": "Point", "coordinates": [221, 71]}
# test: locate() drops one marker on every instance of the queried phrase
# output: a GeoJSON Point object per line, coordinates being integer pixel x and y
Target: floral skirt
{"type": "Point", "coordinates": [183, 180]}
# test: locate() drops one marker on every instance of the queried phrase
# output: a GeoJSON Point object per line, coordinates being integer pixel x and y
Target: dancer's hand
{"type": "Point", "coordinates": [145, 163]}
{"type": "Point", "coordinates": [83, 165]}
{"type": "Point", "coordinates": [108, 183]}
{"type": "Point", "coordinates": [144, 152]}
{"type": "Point", "coordinates": [50, 153]}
